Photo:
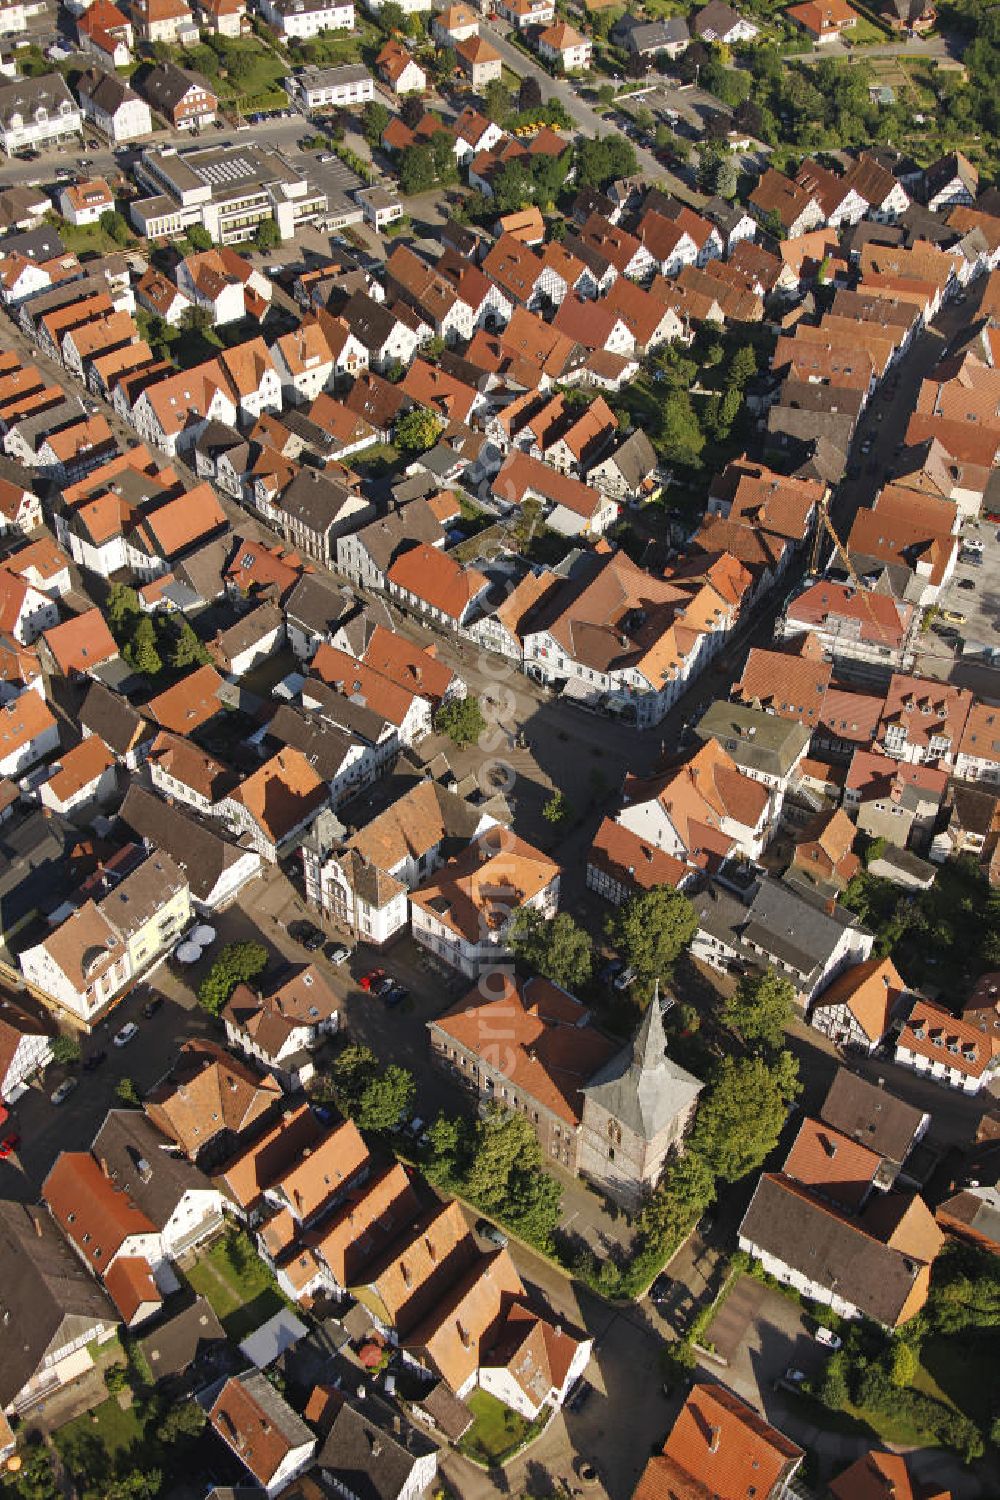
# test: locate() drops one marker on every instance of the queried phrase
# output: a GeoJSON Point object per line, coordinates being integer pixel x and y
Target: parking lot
{"type": "Point", "coordinates": [964, 638]}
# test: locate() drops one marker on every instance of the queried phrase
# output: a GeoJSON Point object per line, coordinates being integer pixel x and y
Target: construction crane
{"type": "Point", "coordinates": [823, 523]}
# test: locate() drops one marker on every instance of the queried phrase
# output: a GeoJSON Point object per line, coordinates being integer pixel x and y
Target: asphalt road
{"type": "Point", "coordinates": [104, 162]}
{"type": "Point", "coordinates": [580, 112]}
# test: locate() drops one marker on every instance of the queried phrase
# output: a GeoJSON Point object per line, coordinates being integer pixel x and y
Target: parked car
{"type": "Point", "coordinates": [308, 934]}
{"type": "Point", "coordinates": [9, 1144]}
{"type": "Point", "coordinates": [62, 1093]}
{"type": "Point", "coordinates": [491, 1232]}
{"type": "Point", "coordinates": [151, 1006]}
{"type": "Point", "coordinates": [382, 987]}
{"type": "Point", "coordinates": [395, 995]}
{"type": "Point", "coordinates": [371, 979]}
{"type": "Point", "coordinates": [625, 978]}
{"type": "Point", "coordinates": [94, 1060]}
{"type": "Point", "coordinates": [661, 1288]}
{"type": "Point", "coordinates": [339, 954]}
{"type": "Point", "coordinates": [580, 1396]}
{"type": "Point", "coordinates": [794, 1376]}
{"type": "Point", "coordinates": [966, 583]}
{"type": "Point", "coordinates": [828, 1338]}
{"type": "Point", "coordinates": [128, 1033]}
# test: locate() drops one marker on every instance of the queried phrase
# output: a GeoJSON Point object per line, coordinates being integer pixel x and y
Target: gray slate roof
{"type": "Point", "coordinates": [199, 848]}
{"type": "Point", "coordinates": [870, 1115]}
{"type": "Point", "coordinates": [44, 1291]}
{"type": "Point", "coordinates": [641, 1087]}
{"type": "Point", "coordinates": [829, 1248]}
{"type": "Point", "coordinates": [756, 740]}
{"type": "Point", "coordinates": [154, 1178]}
{"type": "Point", "coordinates": [194, 1334]}
{"type": "Point", "coordinates": [363, 1454]}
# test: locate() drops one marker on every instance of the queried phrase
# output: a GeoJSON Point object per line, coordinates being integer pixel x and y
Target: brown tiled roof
{"type": "Point", "coordinates": [549, 1053]}
{"type": "Point", "coordinates": [282, 794]}
{"type": "Point", "coordinates": [722, 1443]}
{"type": "Point", "coordinates": [465, 1322]}
{"type": "Point", "coordinates": [409, 1279]}
{"type": "Point", "coordinates": [323, 1170]}
{"type": "Point", "coordinates": [131, 1287]}
{"type": "Point", "coordinates": [270, 1157]}
{"type": "Point", "coordinates": [370, 1219]}
{"type": "Point", "coordinates": [832, 1164]}
{"type": "Point", "coordinates": [185, 762]}
{"type": "Point", "coordinates": [363, 684]}
{"type": "Point", "coordinates": [882, 1476]}
{"type": "Point", "coordinates": [243, 1414]}
{"type": "Point", "coordinates": [486, 883]}
{"type": "Point", "coordinates": [934, 1033]}
{"type": "Point", "coordinates": [80, 767]}
{"type": "Point", "coordinates": [629, 859]}
{"type": "Point", "coordinates": [79, 644]}
{"type": "Point", "coordinates": [190, 703]}
{"type": "Point", "coordinates": [208, 1092]}
{"type": "Point", "coordinates": [436, 579]}
{"type": "Point", "coordinates": [93, 1212]}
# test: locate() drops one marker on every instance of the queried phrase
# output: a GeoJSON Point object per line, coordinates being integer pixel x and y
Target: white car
{"type": "Point", "coordinates": [830, 1339]}
{"type": "Point", "coordinates": [64, 1090]}
{"type": "Point", "coordinates": [340, 955]}
{"type": "Point", "coordinates": [128, 1033]}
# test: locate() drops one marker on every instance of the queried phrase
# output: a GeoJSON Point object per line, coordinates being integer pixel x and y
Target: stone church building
{"type": "Point", "coordinates": [609, 1114]}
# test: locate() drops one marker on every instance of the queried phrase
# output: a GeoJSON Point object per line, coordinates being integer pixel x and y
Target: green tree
{"type": "Point", "coordinates": [652, 930]}
{"type": "Point", "coordinates": [187, 649]}
{"type": "Point", "coordinates": [727, 178]}
{"type": "Point", "coordinates": [496, 101]}
{"type": "Point", "coordinates": [267, 236]}
{"type": "Point", "coordinates": [558, 809]}
{"type": "Point", "coordinates": [462, 720]}
{"type": "Point", "coordinates": [686, 1190]}
{"type": "Point", "coordinates": [446, 1145]}
{"type": "Point", "coordinates": [681, 437]}
{"type": "Point", "coordinates": [392, 17]}
{"type": "Point", "coordinates": [116, 1379]}
{"type": "Point", "coordinates": [35, 1479]}
{"type": "Point", "coordinates": [760, 1008]}
{"type": "Point", "coordinates": [115, 226]}
{"type": "Point", "coordinates": [442, 144]}
{"type": "Point", "coordinates": [121, 610]}
{"type": "Point", "coordinates": [238, 963]}
{"type": "Point", "coordinates": [199, 237]}
{"type": "Point", "coordinates": [376, 1097]}
{"type": "Point", "coordinates": [417, 170]}
{"type": "Point", "coordinates": [831, 1387]}
{"type": "Point", "coordinates": [555, 947]}
{"type": "Point", "coordinates": [65, 1049]}
{"type": "Point", "coordinates": [197, 319]}
{"type": "Point", "coordinates": [740, 1120]}
{"type": "Point", "coordinates": [742, 367]}
{"type": "Point", "coordinates": [141, 651]}
{"type": "Point", "coordinates": [183, 1420]}
{"type": "Point", "coordinates": [127, 1093]}
{"type": "Point", "coordinates": [137, 1484]}
{"type": "Point", "coordinates": [505, 1175]}
{"type": "Point", "coordinates": [903, 1363]}
{"type": "Point", "coordinates": [417, 430]}
{"type": "Point", "coordinates": [374, 118]}
{"type": "Point", "coordinates": [529, 95]}
{"type": "Point", "coordinates": [513, 188]}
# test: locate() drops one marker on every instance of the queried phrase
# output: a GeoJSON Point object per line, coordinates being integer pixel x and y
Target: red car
{"type": "Point", "coordinates": [9, 1144]}
{"type": "Point", "coordinates": [371, 981]}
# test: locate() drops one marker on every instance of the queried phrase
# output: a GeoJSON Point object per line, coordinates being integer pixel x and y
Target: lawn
{"type": "Point", "coordinates": [82, 238]}
{"type": "Point", "coordinates": [496, 1431]}
{"type": "Point", "coordinates": [864, 34]}
{"type": "Point", "coordinates": [240, 1289]}
{"type": "Point", "coordinates": [961, 1372]}
{"type": "Point", "coordinates": [114, 1430]}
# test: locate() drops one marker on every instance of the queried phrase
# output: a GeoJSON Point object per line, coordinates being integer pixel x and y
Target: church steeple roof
{"type": "Point", "coordinates": [641, 1087]}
